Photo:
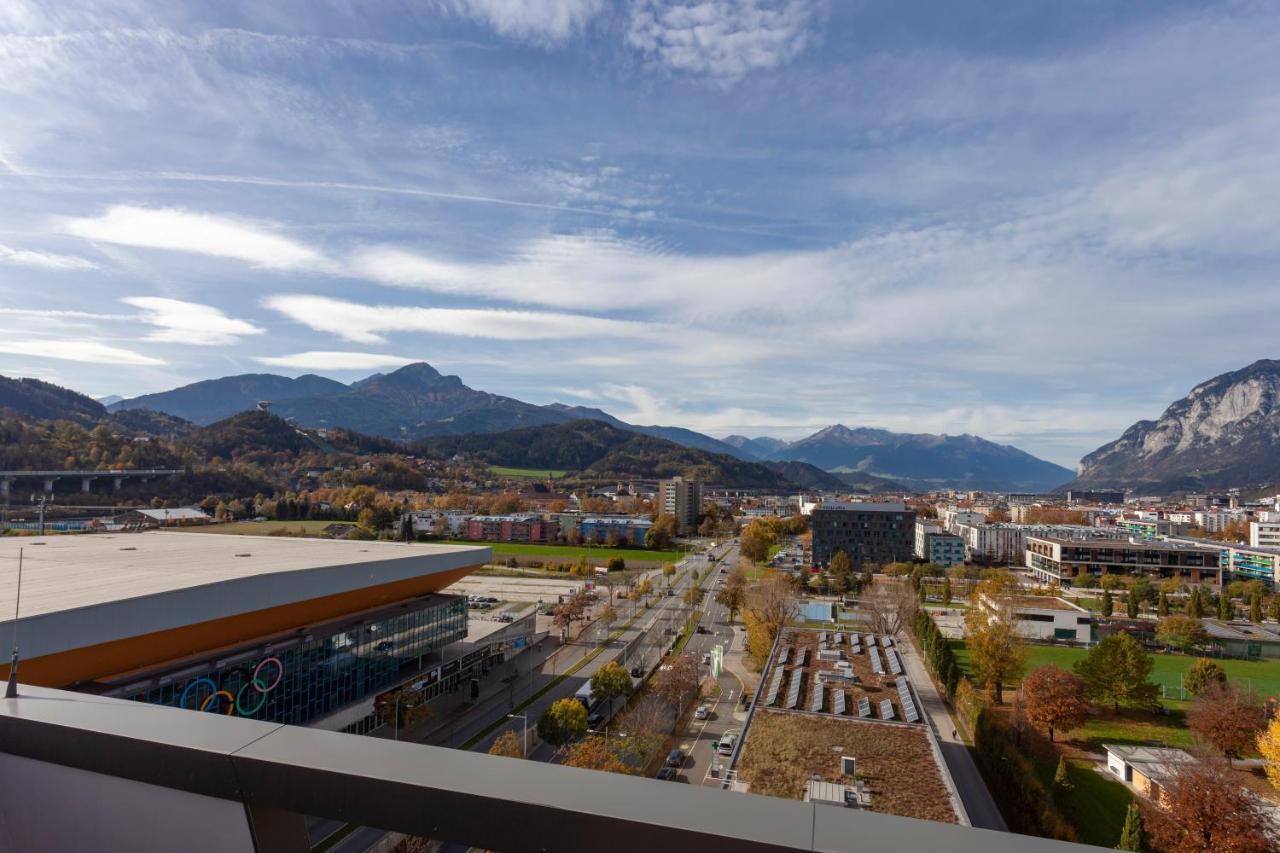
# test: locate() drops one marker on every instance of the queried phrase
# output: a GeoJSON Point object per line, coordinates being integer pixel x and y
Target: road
{"type": "Point", "coordinates": [543, 667]}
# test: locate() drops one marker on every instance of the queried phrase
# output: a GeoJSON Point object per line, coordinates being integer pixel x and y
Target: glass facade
{"type": "Point", "coordinates": [301, 679]}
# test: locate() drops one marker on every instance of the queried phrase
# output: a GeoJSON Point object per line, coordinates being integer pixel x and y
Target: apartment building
{"type": "Point", "coordinates": [866, 532]}
{"type": "Point", "coordinates": [512, 528]}
{"type": "Point", "coordinates": [683, 499]}
{"type": "Point", "coordinates": [1062, 560]}
{"type": "Point", "coordinates": [1264, 534]}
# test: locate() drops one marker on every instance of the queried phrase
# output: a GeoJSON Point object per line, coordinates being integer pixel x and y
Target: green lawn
{"type": "Point", "coordinates": [263, 528]}
{"type": "Point", "coordinates": [1096, 805]}
{"type": "Point", "coordinates": [526, 473]}
{"type": "Point", "coordinates": [1263, 676]}
{"type": "Point", "coordinates": [572, 552]}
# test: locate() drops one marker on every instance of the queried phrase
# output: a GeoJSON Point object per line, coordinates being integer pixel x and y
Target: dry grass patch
{"type": "Point", "coordinates": [783, 750]}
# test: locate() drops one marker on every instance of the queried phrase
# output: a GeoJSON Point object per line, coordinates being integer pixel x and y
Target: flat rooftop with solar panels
{"type": "Point", "coordinates": [92, 605]}
{"type": "Point", "coordinates": [826, 696]}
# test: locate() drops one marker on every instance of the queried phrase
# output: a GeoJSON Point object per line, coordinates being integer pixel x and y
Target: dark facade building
{"type": "Point", "coordinates": [866, 532]}
{"type": "Point", "coordinates": [1095, 496]}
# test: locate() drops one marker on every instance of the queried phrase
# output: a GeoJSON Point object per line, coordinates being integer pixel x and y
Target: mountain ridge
{"type": "Point", "coordinates": [1222, 433]}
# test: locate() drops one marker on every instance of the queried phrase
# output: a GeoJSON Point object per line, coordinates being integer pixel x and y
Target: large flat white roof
{"type": "Point", "coordinates": [93, 588]}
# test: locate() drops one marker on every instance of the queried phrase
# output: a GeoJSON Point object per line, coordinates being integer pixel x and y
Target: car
{"type": "Point", "coordinates": [703, 629]}
{"type": "Point", "coordinates": [727, 741]}
{"type": "Point", "coordinates": [675, 758]}
{"type": "Point", "coordinates": [666, 774]}
{"type": "Point", "coordinates": [636, 672]}
{"type": "Point", "coordinates": [702, 712]}
{"type": "Point", "coordinates": [595, 721]}
{"type": "Point", "coordinates": [671, 593]}
{"type": "Point", "coordinates": [723, 570]}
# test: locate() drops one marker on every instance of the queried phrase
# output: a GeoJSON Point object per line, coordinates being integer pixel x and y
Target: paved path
{"type": "Point", "coordinates": [972, 789]}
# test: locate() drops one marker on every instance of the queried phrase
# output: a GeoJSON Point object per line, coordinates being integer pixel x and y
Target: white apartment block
{"type": "Point", "coordinates": [952, 518]}
{"type": "Point", "coordinates": [1212, 521]}
{"type": "Point", "coordinates": [438, 523]}
{"type": "Point", "coordinates": [925, 526]}
{"type": "Point", "coordinates": [1264, 534]}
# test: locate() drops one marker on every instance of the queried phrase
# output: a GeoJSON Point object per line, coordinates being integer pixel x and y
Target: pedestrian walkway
{"type": "Point", "coordinates": [977, 800]}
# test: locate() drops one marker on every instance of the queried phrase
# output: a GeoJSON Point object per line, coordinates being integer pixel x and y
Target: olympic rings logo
{"type": "Point", "coordinates": [242, 701]}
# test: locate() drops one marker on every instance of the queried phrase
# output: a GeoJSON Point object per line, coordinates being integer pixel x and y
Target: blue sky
{"type": "Point", "coordinates": [1034, 221]}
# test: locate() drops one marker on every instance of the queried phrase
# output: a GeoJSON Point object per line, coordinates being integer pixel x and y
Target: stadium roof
{"type": "Point", "coordinates": [87, 589]}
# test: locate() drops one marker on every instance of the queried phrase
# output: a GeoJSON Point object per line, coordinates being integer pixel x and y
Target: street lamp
{"type": "Point", "coordinates": [524, 740]}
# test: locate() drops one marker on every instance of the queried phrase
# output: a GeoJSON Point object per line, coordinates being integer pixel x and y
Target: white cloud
{"type": "Point", "coordinates": [201, 233]}
{"type": "Point", "coordinates": [724, 39]}
{"type": "Point", "coordinates": [189, 322]}
{"type": "Point", "coordinates": [540, 21]}
{"type": "Point", "coordinates": [44, 260]}
{"type": "Point", "coordinates": [89, 352]}
{"type": "Point", "coordinates": [327, 360]}
{"type": "Point", "coordinates": [367, 323]}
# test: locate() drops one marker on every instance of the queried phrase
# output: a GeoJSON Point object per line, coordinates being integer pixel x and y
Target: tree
{"type": "Point", "coordinates": [617, 564]}
{"type": "Point", "coordinates": [668, 571]}
{"type": "Point", "coordinates": [1205, 809]}
{"type": "Point", "coordinates": [1162, 609]}
{"type": "Point", "coordinates": [1116, 671]}
{"type": "Point", "coordinates": [608, 615]}
{"type": "Point", "coordinates": [564, 721]}
{"type": "Point", "coordinates": [1133, 836]}
{"type": "Point", "coordinates": [1226, 718]}
{"type": "Point", "coordinates": [1225, 611]}
{"type": "Point", "coordinates": [1202, 674]}
{"type": "Point", "coordinates": [508, 744]}
{"type": "Point", "coordinates": [732, 594]}
{"type": "Point", "coordinates": [888, 608]}
{"type": "Point", "coordinates": [946, 591]}
{"type": "Point", "coordinates": [609, 682]}
{"type": "Point", "coordinates": [1054, 699]}
{"type": "Point", "coordinates": [1108, 606]}
{"type": "Point", "coordinates": [770, 605]}
{"type": "Point", "coordinates": [840, 563]}
{"type": "Point", "coordinates": [1195, 604]}
{"type": "Point", "coordinates": [662, 533]}
{"type": "Point", "coordinates": [996, 652]}
{"type": "Point", "coordinates": [1180, 632]}
{"type": "Point", "coordinates": [1269, 748]}
{"type": "Point", "coordinates": [1255, 607]}
{"type": "Point", "coordinates": [676, 682]}
{"type": "Point", "coordinates": [594, 753]}
{"type": "Point", "coordinates": [1274, 608]}
{"type": "Point", "coordinates": [1131, 605]}
{"type": "Point", "coordinates": [1062, 776]}
{"type": "Point", "coordinates": [755, 541]}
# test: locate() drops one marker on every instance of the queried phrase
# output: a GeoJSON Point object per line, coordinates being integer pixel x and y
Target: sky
{"type": "Point", "coordinates": [1031, 220]}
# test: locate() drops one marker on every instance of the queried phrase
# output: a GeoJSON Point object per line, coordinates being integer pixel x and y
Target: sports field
{"type": "Point", "coordinates": [526, 473]}
{"type": "Point", "coordinates": [1262, 676]}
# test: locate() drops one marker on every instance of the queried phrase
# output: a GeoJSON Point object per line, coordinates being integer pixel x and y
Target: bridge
{"type": "Point", "coordinates": [7, 478]}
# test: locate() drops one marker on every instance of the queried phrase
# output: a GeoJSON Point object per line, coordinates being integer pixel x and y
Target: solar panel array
{"type": "Point", "coordinates": [784, 655]}
{"type": "Point", "coordinates": [802, 655]}
{"type": "Point", "coordinates": [815, 700]}
{"type": "Point", "coordinates": [822, 637]}
{"type": "Point", "coordinates": [855, 648]}
{"type": "Point", "coordinates": [886, 641]}
{"type": "Point", "coordinates": [775, 684]}
{"type": "Point", "coordinates": [869, 639]}
{"type": "Point", "coordinates": [838, 638]}
{"type": "Point", "coordinates": [886, 709]}
{"type": "Point", "coordinates": [793, 690]}
{"type": "Point", "coordinates": [837, 701]}
{"type": "Point", "coordinates": [909, 710]}
{"type": "Point", "coordinates": [895, 665]}
{"type": "Point", "coordinates": [876, 666]}
{"type": "Point", "coordinates": [864, 706]}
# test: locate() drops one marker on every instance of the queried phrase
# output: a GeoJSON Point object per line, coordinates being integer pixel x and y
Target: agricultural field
{"type": "Point", "coordinates": [572, 552]}
{"type": "Point", "coordinates": [526, 473]}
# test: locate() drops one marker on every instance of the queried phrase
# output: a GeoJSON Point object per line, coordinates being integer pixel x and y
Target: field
{"type": "Point", "coordinates": [264, 528]}
{"type": "Point", "coordinates": [1096, 804]}
{"type": "Point", "coordinates": [783, 750]}
{"type": "Point", "coordinates": [1136, 727]}
{"type": "Point", "coordinates": [572, 552]}
{"type": "Point", "coordinates": [526, 473]}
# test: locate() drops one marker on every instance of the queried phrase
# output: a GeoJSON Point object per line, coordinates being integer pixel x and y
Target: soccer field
{"type": "Point", "coordinates": [1260, 675]}
{"type": "Point", "coordinates": [526, 473]}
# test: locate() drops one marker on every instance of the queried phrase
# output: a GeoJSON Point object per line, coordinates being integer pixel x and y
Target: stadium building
{"type": "Point", "coordinates": [277, 629]}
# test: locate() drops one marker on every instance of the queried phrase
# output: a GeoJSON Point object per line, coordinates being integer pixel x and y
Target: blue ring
{"type": "Point", "coordinates": [182, 701]}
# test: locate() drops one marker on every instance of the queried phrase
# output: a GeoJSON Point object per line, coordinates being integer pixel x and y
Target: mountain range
{"type": "Point", "coordinates": [1224, 433]}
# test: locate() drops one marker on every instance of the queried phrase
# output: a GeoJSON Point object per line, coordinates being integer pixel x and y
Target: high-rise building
{"type": "Point", "coordinates": [683, 499]}
{"type": "Point", "coordinates": [866, 532]}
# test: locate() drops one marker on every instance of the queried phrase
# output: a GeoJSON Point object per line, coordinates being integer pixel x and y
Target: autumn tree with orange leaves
{"type": "Point", "coordinates": [1203, 808]}
{"type": "Point", "coordinates": [1226, 718]}
{"type": "Point", "coordinates": [1054, 699]}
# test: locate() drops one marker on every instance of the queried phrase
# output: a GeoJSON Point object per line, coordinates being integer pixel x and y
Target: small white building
{"type": "Point", "coordinates": [440, 523]}
{"type": "Point", "coordinates": [1043, 617]}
